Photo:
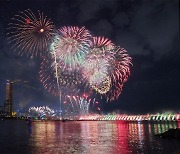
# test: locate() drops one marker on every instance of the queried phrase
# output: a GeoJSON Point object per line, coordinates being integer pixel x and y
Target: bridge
{"type": "Point", "coordinates": [155, 117]}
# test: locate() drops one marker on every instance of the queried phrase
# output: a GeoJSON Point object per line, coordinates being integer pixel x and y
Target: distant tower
{"type": "Point", "coordinates": [8, 106]}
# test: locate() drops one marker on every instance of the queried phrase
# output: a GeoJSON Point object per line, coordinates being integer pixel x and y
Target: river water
{"type": "Point", "coordinates": [88, 137]}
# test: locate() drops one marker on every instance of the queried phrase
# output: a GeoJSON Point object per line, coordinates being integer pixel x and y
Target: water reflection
{"type": "Point", "coordinates": [162, 127]}
{"type": "Point", "coordinates": [99, 137]}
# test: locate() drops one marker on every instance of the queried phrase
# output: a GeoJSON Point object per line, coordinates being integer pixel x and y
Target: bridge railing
{"type": "Point", "coordinates": [158, 117]}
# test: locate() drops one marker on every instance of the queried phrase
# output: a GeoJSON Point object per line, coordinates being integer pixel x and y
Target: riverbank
{"type": "Point", "coordinates": [170, 134]}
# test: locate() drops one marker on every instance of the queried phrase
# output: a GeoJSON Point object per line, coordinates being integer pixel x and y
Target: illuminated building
{"type": "Point", "coordinates": [8, 106]}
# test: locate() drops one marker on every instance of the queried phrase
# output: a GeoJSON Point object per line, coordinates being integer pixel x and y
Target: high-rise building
{"type": "Point", "coordinates": [8, 106]}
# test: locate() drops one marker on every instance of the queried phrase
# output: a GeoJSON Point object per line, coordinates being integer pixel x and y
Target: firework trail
{"type": "Point", "coordinates": [80, 105]}
{"type": "Point", "coordinates": [30, 34]}
{"type": "Point", "coordinates": [70, 47]}
{"type": "Point", "coordinates": [57, 80]}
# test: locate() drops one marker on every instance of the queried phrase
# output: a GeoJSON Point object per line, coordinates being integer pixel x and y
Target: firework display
{"type": "Point", "coordinates": [77, 61]}
{"type": "Point", "coordinates": [42, 112]}
{"type": "Point", "coordinates": [80, 105]}
{"type": "Point", "coordinates": [30, 34]}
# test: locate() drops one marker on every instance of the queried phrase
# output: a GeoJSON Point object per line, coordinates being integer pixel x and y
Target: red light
{"type": "Point", "coordinates": [84, 95]}
{"type": "Point", "coordinates": [27, 21]}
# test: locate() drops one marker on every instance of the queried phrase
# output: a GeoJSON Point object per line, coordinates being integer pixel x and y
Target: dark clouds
{"type": "Point", "coordinates": [148, 30]}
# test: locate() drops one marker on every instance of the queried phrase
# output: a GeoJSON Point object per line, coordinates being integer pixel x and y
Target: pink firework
{"type": "Point", "coordinates": [120, 72]}
{"type": "Point", "coordinates": [101, 42]}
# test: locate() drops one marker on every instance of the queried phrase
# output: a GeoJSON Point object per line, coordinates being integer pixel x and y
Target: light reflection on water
{"type": "Point", "coordinates": [91, 137]}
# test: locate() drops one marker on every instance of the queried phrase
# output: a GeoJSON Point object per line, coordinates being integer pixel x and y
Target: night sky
{"type": "Point", "coordinates": [147, 29]}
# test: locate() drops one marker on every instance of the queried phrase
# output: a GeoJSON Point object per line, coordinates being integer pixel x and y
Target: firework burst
{"type": "Point", "coordinates": [97, 65]}
{"type": "Point", "coordinates": [41, 112]}
{"type": "Point", "coordinates": [71, 46]}
{"type": "Point", "coordinates": [30, 34]}
{"type": "Point", "coordinates": [120, 72]}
